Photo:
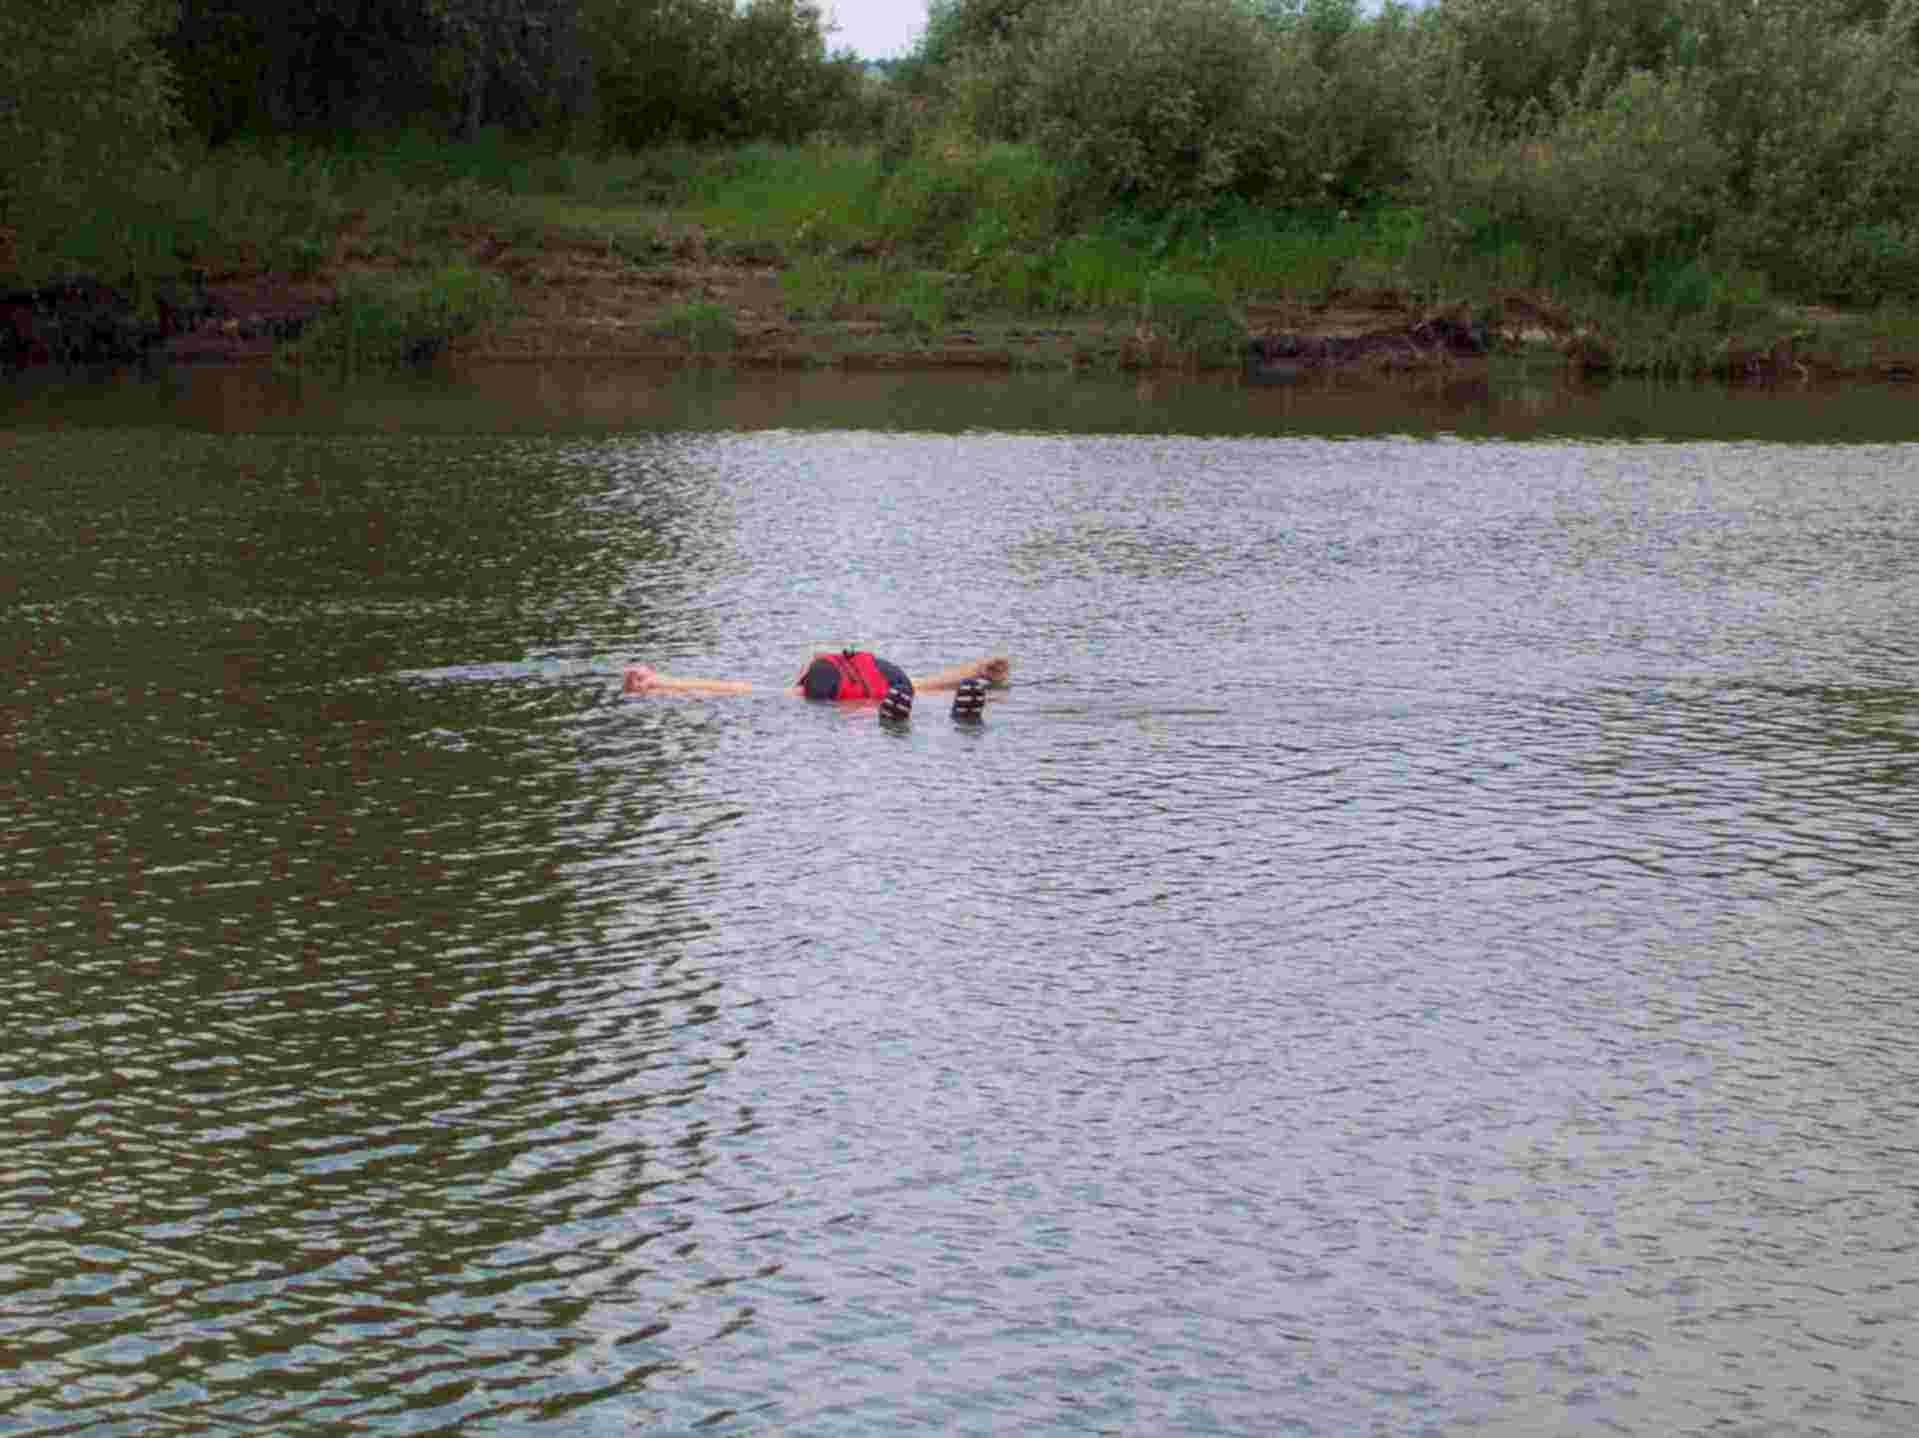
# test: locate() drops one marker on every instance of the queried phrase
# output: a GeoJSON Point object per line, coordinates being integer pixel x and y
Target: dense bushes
{"type": "Point", "coordinates": [1352, 99]}
{"type": "Point", "coordinates": [1525, 52]}
{"type": "Point", "coordinates": [704, 71]}
{"type": "Point", "coordinates": [1821, 120]}
{"type": "Point", "coordinates": [1153, 102]}
{"type": "Point", "coordinates": [581, 72]}
{"type": "Point", "coordinates": [87, 113]}
{"type": "Point", "coordinates": [104, 102]}
{"type": "Point", "coordinates": [1611, 144]}
{"type": "Point", "coordinates": [1608, 181]}
{"type": "Point", "coordinates": [1165, 103]}
{"type": "Point", "coordinates": [1590, 142]}
{"type": "Point", "coordinates": [1780, 138]}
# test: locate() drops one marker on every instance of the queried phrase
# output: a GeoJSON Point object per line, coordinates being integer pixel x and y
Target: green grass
{"type": "Point", "coordinates": [706, 328]}
{"type": "Point", "coordinates": [1190, 314]}
{"type": "Point", "coordinates": [390, 321]}
{"type": "Point", "coordinates": [925, 302]}
{"type": "Point", "coordinates": [1897, 327]}
{"type": "Point", "coordinates": [803, 199]}
{"type": "Point", "coordinates": [641, 237]}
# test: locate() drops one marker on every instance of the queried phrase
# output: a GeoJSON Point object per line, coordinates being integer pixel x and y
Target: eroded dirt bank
{"type": "Point", "coordinates": [578, 299]}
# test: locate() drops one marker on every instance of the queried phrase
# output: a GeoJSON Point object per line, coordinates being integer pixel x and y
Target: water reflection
{"type": "Point", "coordinates": [336, 1046]}
{"type": "Point", "coordinates": [1424, 942]}
{"type": "Point", "coordinates": [593, 398]}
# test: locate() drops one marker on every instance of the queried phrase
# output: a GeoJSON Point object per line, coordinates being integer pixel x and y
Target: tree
{"type": "Point", "coordinates": [288, 65]}
{"type": "Point", "coordinates": [702, 70]}
{"type": "Point", "coordinates": [88, 109]}
{"type": "Point", "coordinates": [520, 63]}
{"type": "Point", "coordinates": [1154, 102]}
{"type": "Point", "coordinates": [1525, 49]}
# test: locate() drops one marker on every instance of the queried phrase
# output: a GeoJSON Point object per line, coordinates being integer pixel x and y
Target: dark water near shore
{"type": "Point", "coordinates": [1426, 945]}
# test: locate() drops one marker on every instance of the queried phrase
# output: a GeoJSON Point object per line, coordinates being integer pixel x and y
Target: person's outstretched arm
{"type": "Point", "coordinates": [993, 668]}
{"type": "Point", "coordinates": [645, 679]}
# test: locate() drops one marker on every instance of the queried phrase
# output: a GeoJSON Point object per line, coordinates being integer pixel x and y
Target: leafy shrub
{"type": "Point", "coordinates": [1093, 272]}
{"type": "Point", "coordinates": [707, 70]}
{"type": "Point", "coordinates": [1821, 126]}
{"type": "Point", "coordinates": [768, 196]}
{"type": "Point", "coordinates": [706, 327]}
{"type": "Point", "coordinates": [1281, 252]}
{"type": "Point", "coordinates": [958, 28]}
{"type": "Point", "coordinates": [925, 302]}
{"type": "Point", "coordinates": [812, 287]}
{"type": "Point", "coordinates": [88, 127]}
{"type": "Point", "coordinates": [383, 321]}
{"type": "Point", "coordinates": [1154, 103]}
{"type": "Point", "coordinates": [1865, 264]}
{"type": "Point", "coordinates": [1189, 312]}
{"type": "Point", "coordinates": [974, 65]}
{"type": "Point", "coordinates": [970, 202]}
{"type": "Point", "coordinates": [1350, 97]}
{"type": "Point", "coordinates": [424, 217]}
{"type": "Point", "coordinates": [1615, 178]}
{"type": "Point", "coordinates": [1522, 52]}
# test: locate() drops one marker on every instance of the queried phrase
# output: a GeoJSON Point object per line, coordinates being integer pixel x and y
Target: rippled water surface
{"type": "Point", "coordinates": [1426, 944]}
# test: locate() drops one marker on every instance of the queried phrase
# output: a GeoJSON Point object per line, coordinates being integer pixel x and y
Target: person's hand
{"type": "Point", "coordinates": [993, 668]}
{"type": "Point", "coordinates": [641, 679]}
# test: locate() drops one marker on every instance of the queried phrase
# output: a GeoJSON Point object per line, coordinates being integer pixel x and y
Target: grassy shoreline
{"type": "Point", "coordinates": [825, 254]}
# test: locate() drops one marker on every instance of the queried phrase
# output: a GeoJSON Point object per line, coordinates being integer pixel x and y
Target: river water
{"type": "Point", "coordinates": [1425, 945]}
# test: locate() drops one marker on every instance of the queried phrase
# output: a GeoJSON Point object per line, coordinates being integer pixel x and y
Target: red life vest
{"type": "Point", "coordinates": [860, 677]}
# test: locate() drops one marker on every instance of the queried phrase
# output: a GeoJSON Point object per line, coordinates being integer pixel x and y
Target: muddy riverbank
{"type": "Point", "coordinates": [577, 299]}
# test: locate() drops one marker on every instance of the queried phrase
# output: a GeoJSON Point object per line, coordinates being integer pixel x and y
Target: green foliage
{"type": "Point", "coordinates": [339, 66]}
{"type": "Point", "coordinates": [1278, 260]}
{"type": "Point", "coordinates": [1821, 126]}
{"type": "Point", "coordinates": [1099, 271]}
{"type": "Point", "coordinates": [1680, 341]}
{"type": "Point", "coordinates": [925, 302]}
{"type": "Point", "coordinates": [1522, 52]}
{"type": "Point", "coordinates": [1868, 263]}
{"type": "Point", "coordinates": [778, 81]}
{"type": "Point", "coordinates": [819, 287]}
{"type": "Point", "coordinates": [1616, 178]}
{"type": "Point", "coordinates": [218, 53]}
{"type": "Point", "coordinates": [579, 72]}
{"type": "Point", "coordinates": [313, 66]}
{"type": "Point", "coordinates": [1154, 102]}
{"type": "Point", "coordinates": [706, 328]}
{"type": "Point", "coordinates": [88, 119]}
{"type": "Point", "coordinates": [1157, 161]}
{"type": "Point", "coordinates": [1171, 102]}
{"type": "Point", "coordinates": [1778, 136]}
{"type": "Point", "coordinates": [1350, 100]}
{"type": "Point", "coordinates": [705, 70]}
{"type": "Point", "coordinates": [812, 287]}
{"type": "Point", "coordinates": [387, 321]}
{"type": "Point", "coordinates": [959, 28]}
{"type": "Point", "coordinates": [768, 197]}
{"type": "Point", "coordinates": [1186, 310]}
{"type": "Point", "coordinates": [1179, 276]}
{"type": "Point", "coordinates": [968, 203]}
{"type": "Point", "coordinates": [427, 218]}
{"type": "Point", "coordinates": [657, 63]}
{"type": "Point", "coordinates": [976, 60]}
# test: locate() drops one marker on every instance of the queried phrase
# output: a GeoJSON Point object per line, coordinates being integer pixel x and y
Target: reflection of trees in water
{"type": "Point", "coordinates": [324, 972]}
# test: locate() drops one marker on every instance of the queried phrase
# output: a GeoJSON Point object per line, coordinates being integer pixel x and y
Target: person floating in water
{"type": "Point", "coordinates": [852, 674]}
